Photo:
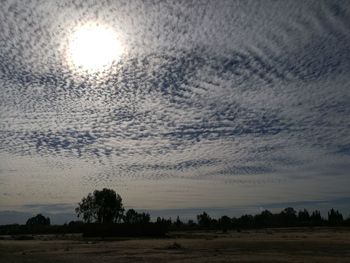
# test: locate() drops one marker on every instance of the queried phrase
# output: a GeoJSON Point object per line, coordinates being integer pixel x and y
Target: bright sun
{"type": "Point", "coordinates": [93, 48]}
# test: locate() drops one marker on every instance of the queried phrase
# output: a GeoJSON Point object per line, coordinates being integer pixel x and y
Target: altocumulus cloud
{"type": "Point", "coordinates": [213, 103]}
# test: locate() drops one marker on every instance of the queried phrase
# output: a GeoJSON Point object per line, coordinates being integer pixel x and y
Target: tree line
{"type": "Point", "coordinates": [106, 206]}
{"type": "Point", "coordinates": [102, 213]}
{"type": "Point", "coordinates": [288, 217]}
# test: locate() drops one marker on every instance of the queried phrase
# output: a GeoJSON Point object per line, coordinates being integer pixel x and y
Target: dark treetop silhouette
{"type": "Point", "coordinates": [38, 220]}
{"type": "Point", "coordinates": [133, 217]}
{"type": "Point", "coordinates": [103, 206]}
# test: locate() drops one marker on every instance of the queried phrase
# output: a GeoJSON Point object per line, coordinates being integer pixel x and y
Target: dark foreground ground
{"type": "Point", "coordinates": [278, 245]}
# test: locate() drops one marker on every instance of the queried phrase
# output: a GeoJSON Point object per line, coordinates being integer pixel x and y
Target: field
{"type": "Point", "coordinates": [268, 245]}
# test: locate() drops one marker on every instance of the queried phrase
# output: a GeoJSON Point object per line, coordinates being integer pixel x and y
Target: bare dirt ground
{"type": "Point", "coordinates": [278, 245]}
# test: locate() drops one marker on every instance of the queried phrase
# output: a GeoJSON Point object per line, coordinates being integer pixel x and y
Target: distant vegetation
{"type": "Point", "coordinates": [38, 220]}
{"type": "Point", "coordinates": [103, 214]}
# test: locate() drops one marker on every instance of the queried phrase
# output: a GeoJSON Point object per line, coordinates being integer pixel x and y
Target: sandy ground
{"type": "Point", "coordinates": [288, 245]}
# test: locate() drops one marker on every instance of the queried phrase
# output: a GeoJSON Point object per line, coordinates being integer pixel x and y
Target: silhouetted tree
{"type": "Point", "coordinates": [191, 223]}
{"type": "Point", "coordinates": [162, 220]}
{"type": "Point", "coordinates": [303, 216]}
{"type": "Point", "coordinates": [38, 220]}
{"type": "Point", "coordinates": [225, 223]}
{"type": "Point", "coordinates": [245, 221]}
{"type": "Point", "coordinates": [288, 216]}
{"type": "Point", "coordinates": [204, 220]}
{"type": "Point", "coordinates": [178, 222]}
{"type": "Point", "coordinates": [133, 217]}
{"type": "Point", "coordinates": [264, 219]}
{"type": "Point", "coordinates": [103, 206]}
{"type": "Point", "coordinates": [335, 217]}
{"type": "Point", "coordinates": [316, 218]}
{"type": "Point", "coordinates": [347, 221]}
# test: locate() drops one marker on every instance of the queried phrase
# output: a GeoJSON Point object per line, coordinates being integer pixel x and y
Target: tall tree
{"type": "Point", "coordinates": [103, 206]}
{"type": "Point", "coordinates": [303, 216]}
{"type": "Point", "coordinates": [335, 217]}
{"type": "Point", "coordinates": [288, 216]}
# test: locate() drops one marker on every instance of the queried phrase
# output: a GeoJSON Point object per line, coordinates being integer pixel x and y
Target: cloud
{"type": "Point", "coordinates": [245, 94]}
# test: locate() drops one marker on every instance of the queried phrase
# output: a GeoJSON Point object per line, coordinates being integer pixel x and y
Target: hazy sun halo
{"type": "Point", "coordinates": [94, 47]}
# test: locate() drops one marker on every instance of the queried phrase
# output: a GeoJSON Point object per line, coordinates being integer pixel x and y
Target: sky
{"type": "Point", "coordinates": [225, 106]}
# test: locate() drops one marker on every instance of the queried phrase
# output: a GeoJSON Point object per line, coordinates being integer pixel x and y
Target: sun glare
{"type": "Point", "coordinates": [94, 48]}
